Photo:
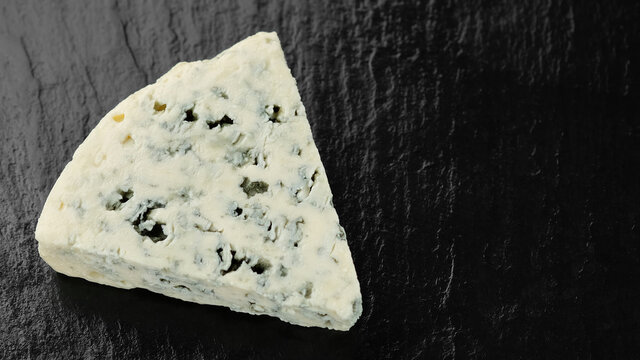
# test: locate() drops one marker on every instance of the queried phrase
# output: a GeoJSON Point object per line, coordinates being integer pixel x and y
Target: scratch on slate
{"type": "Point", "coordinates": [33, 74]}
{"type": "Point", "coordinates": [133, 55]}
{"type": "Point", "coordinates": [447, 291]}
{"type": "Point", "coordinates": [93, 87]}
{"type": "Point", "coordinates": [174, 43]}
{"type": "Point", "coordinates": [371, 120]}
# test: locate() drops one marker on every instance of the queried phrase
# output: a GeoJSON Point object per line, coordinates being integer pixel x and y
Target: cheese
{"type": "Point", "coordinates": [207, 186]}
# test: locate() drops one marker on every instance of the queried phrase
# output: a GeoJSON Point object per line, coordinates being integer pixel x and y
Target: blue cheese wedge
{"type": "Point", "coordinates": [207, 186]}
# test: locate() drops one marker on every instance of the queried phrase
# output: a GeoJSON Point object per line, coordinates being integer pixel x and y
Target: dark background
{"type": "Point", "coordinates": [484, 158]}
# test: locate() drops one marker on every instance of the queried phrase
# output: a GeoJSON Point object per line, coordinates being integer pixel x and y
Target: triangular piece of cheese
{"type": "Point", "coordinates": [207, 186]}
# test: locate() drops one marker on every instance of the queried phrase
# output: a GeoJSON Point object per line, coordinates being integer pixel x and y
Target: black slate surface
{"type": "Point", "coordinates": [483, 156]}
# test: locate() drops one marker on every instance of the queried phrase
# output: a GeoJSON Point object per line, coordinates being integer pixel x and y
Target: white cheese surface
{"type": "Point", "coordinates": [207, 186]}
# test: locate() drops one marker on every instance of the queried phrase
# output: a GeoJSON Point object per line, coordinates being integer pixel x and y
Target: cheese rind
{"type": "Point", "coordinates": [207, 186]}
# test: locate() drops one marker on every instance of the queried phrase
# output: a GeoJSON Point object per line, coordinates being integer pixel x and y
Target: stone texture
{"type": "Point", "coordinates": [483, 157]}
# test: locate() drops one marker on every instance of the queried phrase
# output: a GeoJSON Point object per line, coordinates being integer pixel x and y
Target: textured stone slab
{"type": "Point", "coordinates": [482, 157]}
